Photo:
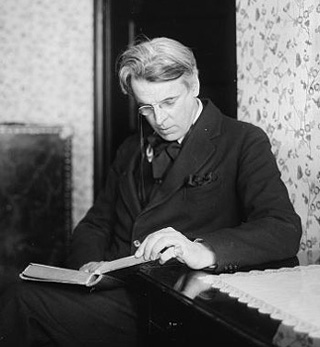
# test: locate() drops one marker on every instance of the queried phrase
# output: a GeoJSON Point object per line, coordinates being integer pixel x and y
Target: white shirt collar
{"type": "Point", "coordinates": [200, 108]}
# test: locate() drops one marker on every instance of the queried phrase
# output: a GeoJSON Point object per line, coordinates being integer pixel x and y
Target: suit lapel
{"type": "Point", "coordinates": [195, 153]}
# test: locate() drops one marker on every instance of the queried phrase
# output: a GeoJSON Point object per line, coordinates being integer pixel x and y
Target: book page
{"type": "Point", "coordinates": [119, 264]}
{"type": "Point", "coordinates": [57, 274]}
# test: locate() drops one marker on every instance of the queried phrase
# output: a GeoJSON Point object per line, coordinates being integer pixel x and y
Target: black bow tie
{"type": "Point", "coordinates": [164, 153]}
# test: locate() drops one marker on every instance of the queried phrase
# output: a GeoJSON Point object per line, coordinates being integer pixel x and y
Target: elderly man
{"type": "Point", "coordinates": [193, 184]}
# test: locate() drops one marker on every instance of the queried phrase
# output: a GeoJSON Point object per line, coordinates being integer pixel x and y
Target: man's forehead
{"type": "Point", "coordinates": [146, 92]}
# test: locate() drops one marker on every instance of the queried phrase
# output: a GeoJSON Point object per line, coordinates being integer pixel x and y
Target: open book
{"type": "Point", "coordinates": [45, 273]}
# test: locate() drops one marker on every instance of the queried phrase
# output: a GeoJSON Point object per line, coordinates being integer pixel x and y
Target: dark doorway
{"type": "Point", "coordinates": [206, 26]}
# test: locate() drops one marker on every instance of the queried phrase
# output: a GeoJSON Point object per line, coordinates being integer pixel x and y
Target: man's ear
{"type": "Point", "coordinates": [195, 86]}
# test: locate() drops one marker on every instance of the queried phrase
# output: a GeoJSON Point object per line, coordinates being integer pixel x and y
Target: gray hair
{"type": "Point", "coordinates": [157, 60]}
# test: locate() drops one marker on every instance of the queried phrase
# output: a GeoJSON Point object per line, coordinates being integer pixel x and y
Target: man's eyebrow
{"type": "Point", "coordinates": [160, 102]}
{"type": "Point", "coordinates": [170, 97]}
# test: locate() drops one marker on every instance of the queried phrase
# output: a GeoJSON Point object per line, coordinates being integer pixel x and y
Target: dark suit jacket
{"type": "Point", "coordinates": [224, 187]}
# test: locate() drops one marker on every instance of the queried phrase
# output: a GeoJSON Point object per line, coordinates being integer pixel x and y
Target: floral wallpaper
{"type": "Point", "coordinates": [278, 55]}
{"type": "Point", "coordinates": [46, 76]}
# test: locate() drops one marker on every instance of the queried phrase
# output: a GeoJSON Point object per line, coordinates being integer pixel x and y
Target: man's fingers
{"type": "Point", "coordinates": [171, 252]}
{"type": "Point", "coordinates": [157, 243]}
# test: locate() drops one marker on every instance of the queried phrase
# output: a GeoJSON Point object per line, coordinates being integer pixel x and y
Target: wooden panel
{"type": "Point", "coordinates": [35, 195]}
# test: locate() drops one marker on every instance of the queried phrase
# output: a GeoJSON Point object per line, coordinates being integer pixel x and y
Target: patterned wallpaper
{"type": "Point", "coordinates": [46, 76]}
{"type": "Point", "coordinates": [278, 53]}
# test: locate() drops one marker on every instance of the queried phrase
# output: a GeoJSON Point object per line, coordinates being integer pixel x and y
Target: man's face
{"type": "Point", "coordinates": [173, 105]}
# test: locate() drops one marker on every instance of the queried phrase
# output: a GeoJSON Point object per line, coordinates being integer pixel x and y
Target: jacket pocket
{"type": "Point", "coordinates": [204, 193]}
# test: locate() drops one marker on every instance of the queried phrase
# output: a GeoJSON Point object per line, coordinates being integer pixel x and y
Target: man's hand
{"type": "Point", "coordinates": [169, 243]}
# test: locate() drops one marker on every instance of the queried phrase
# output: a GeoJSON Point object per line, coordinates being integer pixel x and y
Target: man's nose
{"type": "Point", "coordinates": [159, 114]}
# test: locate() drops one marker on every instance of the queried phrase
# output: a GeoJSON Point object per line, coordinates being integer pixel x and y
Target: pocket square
{"type": "Point", "coordinates": [197, 180]}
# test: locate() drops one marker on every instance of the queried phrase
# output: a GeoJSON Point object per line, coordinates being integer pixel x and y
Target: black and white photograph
{"type": "Point", "coordinates": [159, 173]}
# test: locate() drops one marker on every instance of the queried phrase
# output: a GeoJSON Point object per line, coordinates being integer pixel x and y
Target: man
{"type": "Point", "coordinates": [209, 195]}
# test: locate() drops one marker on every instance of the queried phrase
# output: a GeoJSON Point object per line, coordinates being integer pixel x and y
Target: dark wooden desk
{"type": "Point", "coordinates": [179, 309]}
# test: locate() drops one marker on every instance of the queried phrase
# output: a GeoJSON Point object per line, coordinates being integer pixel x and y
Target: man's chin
{"type": "Point", "coordinates": [167, 136]}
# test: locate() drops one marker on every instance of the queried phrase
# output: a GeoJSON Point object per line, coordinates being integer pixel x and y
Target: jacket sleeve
{"type": "Point", "coordinates": [93, 234]}
{"type": "Point", "coordinates": [270, 229]}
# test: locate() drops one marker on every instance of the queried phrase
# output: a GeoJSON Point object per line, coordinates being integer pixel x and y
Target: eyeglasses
{"type": "Point", "coordinates": [149, 110]}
